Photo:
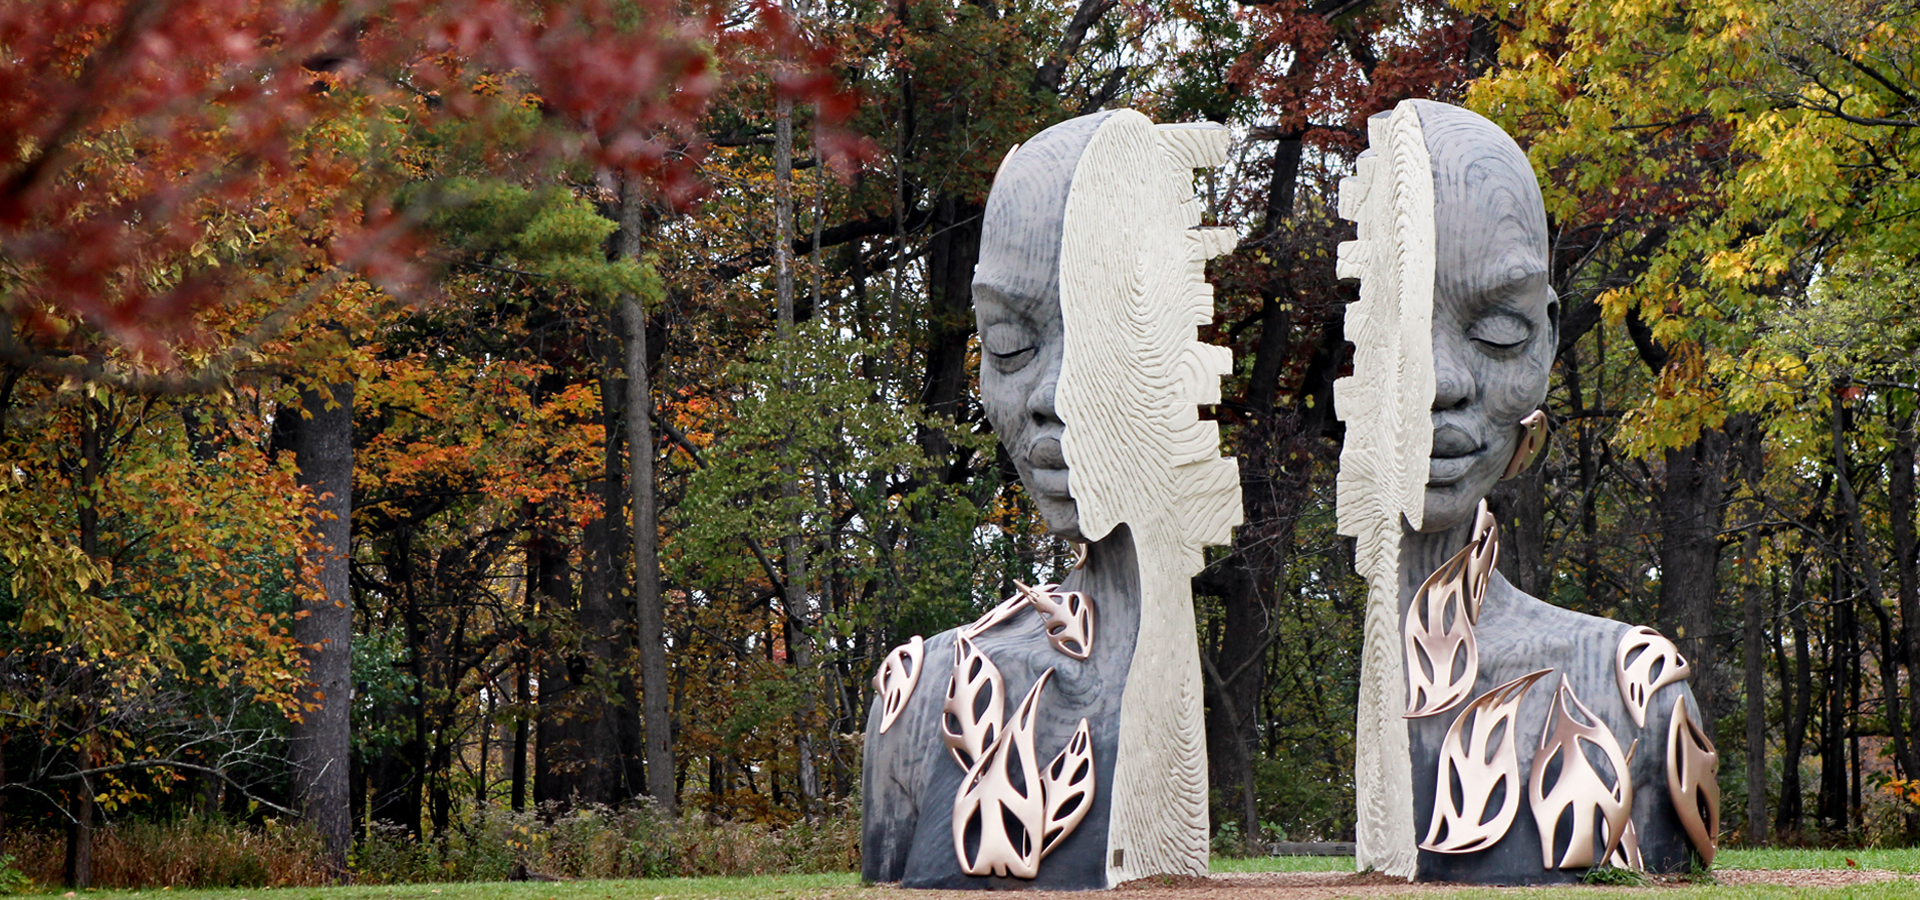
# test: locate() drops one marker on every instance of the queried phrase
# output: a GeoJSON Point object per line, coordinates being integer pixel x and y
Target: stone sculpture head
{"type": "Point", "coordinates": [1016, 302]}
{"type": "Point", "coordinates": [1495, 319]}
{"type": "Point", "coordinates": [1090, 286]}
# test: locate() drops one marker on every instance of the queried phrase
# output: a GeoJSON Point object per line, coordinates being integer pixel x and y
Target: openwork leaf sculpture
{"type": "Point", "coordinates": [1483, 552]}
{"type": "Point", "coordinates": [1477, 761]}
{"type": "Point", "coordinates": [1009, 813]}
{"type": "Point", "coordinates": [1443, 658]}
{"type": "Point", "coordinates": [899, 674]}
{"type": "Point", "coordinates": [1693, 773]}
{"type": "Point", "coordinates": [1008, 608]}
{"type": "Point", "coordinates": [1000, 813]}
{"type": "Point", "coordinates": [1067, 784]}
{"type": "Point", "coordinates": [1626, 854]}
{"type": "Point", "coordinates": [970, 720]}
{"type": "Point", "coordinates": [1579, 790]}
{"type": "Point", "coordinates": [1533, 440]}
{"type": "Point", "coordinates": [1645, 662]}
{"type": "Point", "coordinates": [1069, 618]}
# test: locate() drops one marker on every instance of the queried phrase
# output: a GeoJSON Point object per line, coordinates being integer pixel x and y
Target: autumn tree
{"type": "Point", "coordinates": [1722, 177]}
{"type": "Point", "coordinates": [1302, 78]}
{"type": "Point", "coordinates": [203, 195]}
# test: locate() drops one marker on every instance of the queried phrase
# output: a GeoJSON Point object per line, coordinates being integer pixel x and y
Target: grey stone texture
{"type": "Point", "coordinates": [1493, 342]}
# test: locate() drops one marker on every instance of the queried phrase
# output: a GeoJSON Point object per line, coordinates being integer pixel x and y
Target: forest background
{"type": "Point", "coordinates": [427, 421]}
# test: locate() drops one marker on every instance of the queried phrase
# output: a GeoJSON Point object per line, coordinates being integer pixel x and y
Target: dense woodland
{"type": "Point", "coordinates": [411, 409]}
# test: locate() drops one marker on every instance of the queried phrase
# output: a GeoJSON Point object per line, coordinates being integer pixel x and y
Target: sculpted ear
{"type": "Point", "coordinates": [1553, 321]}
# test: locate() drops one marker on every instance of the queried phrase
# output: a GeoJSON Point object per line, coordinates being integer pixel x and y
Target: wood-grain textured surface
{"type": "Point", "coordinates": [1089, 294]}
{"type": "Point", "coordinates": [1383, 463]}
{"type": "Point", "coordinates": [1133, 293]}
{"type": "Point", "coordinates": [1487, 350]}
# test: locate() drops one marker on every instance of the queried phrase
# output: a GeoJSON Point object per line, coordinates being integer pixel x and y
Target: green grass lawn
{"type": "Point", "coordinates": [771, 887]}
{"type": "Point", "coordinates": [1885, 891]}
{"type": "Point", "coordinates": [1903, 860]}
{"type": "Point", "coordinates": [1906, 861]}
{"type": "Point", "coordinates": [846, 886]}
{"type": "Point", "coordinates": [1283, 864]}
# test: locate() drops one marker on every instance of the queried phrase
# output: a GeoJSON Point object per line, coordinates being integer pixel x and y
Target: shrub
{"type": "Point", "coordinates": [592, 841]}
{"type": "Point", "coordinates": [12, 880]}
{"type": "Point", "coordinates": [488, 844]}
{"type": "Point", "coordinates": [190, 852]}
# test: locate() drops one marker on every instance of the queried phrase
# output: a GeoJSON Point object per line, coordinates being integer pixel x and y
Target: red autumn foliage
{"type": "Point", "coordinates": [139, 129]}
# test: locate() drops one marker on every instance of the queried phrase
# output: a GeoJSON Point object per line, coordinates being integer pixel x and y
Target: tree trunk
{"type": "Point", "coordinates": [1587, 463]}
{"type": "Point", "coordinates": [649, 610]}
{"type": "Point", "coordinates": [598, 731]}
{"type": "Point", "coordinates": [1754, 635]}
{"type": "Point", "coordinates": [79, 862]}
{"type": "Point", "coordinates": [3, 778]}
{"type": "Point", "coordinates": [1690, 510]}
{"type": "Point", "coordinates": [952, 252]}
{"type": "Point", "coordinates": [322, 441]}
{"type": "Point", "coordinates": [1792, 817]}
{"type": "Point", "coordinates": [1855, 663]}
{"type": "Point", "coordinates": [623, 747]}
{"type": "Point", "coordinates": [1833, 750]}
{"type": "Point", "coordinates": [398, 780]}
{"type": "Point", "coordinates": [794, 546]}
{"type": "Point", "coordinates": [629, 729]}
{"type": "Point", "coordinates": [559, 764]}
{"type": "Point", "coordinates": [1236, 678]}
{"type": "Point", "coordinates": [1900, 510]}
{"type": "Point", "coordinates": [480, 792]}
{"type": "Point", "coordinates": [523, 690]}
{"type": "Point", "coordinates": [1868, 566]}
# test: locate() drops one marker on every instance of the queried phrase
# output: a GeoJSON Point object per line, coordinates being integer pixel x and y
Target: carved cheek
{"type": "Point", "coordinates": [993, 389]}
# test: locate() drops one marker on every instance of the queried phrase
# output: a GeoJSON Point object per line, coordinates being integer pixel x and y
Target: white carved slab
{"type": "Point", "coordinates": [1386, 404]}
{"type": "Point", "coordinates": [1132, 294]}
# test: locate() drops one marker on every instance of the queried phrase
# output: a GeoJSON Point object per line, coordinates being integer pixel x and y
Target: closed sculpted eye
{"type": "Point", "coordinates": [1501, 332]}
{"type": "Point", "coordinates": [1010, 345]}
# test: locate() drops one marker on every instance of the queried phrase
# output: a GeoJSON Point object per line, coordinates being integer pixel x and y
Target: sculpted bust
{"type": "Point", "coordinates": [1056, 742]}
{"type": "Point", "coordinates": [1503, 739]}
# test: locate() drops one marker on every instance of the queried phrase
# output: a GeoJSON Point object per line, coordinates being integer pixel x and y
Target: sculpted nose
{"type": "Point", "coordinates": [1040, 400]}
{"type": "Point", "coordinates": [1452, 383]}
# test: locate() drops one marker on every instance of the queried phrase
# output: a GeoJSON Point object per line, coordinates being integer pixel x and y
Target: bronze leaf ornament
{"type": "Point", "coordinates": [1478, 757]}
{"type": "Point", "coordinates": [899, 674]}
{"type": "Point", "coordinates": [1626, 854]}
{"type": "Point", "coordinates": [1579, 790]}
{"type": "Point", "coordinates": [1443, 657]}
{"type": "Point", "coordinates": [1069, 616]}
{"type": "Point", "coordinates": [999, 814]}
{"type": "Point", "coordinates": [1533, 440]}
{"type": "Point", "coordinates": [1067, 783]}
{"type": "Point", "coordinates": [1645, 662]}
{"type": "Point", "coordinates": [1693, 773]}
{"type": "Point", "coordinates": [1007, 609]}
{"type": "Point", "coordinates": [970, 720]}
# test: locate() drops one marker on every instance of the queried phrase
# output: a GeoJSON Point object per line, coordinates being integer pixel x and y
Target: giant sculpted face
{"type": "Point", "coordinates": [1497, 733]}
{"type": "Point", "coordinates": [1494, 317]}
{"type": "Point", "coordinates": [1088, 294]}
{"type": "Point", "coordinates": [1016, 296]}
{"type": "Point", "coordinates": [1020, 348]}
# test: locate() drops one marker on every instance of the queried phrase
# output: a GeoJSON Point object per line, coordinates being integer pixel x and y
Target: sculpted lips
{"type": "Point", "coordinates": [1454, 453]}
{"type": "Point", "coordinates": [1047, 466]}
